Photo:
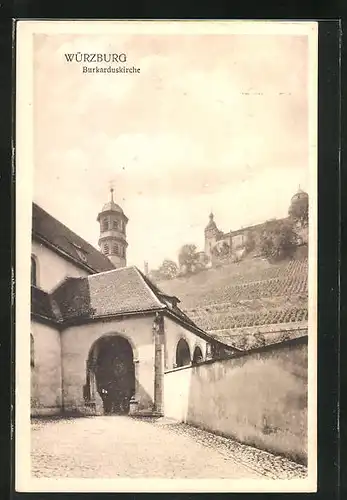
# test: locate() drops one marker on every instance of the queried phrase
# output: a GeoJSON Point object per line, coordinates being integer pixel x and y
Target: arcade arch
{"type": "Point", "coordinates": [183, 357]}
{"type": "Point", "coordinates": [111, 374]}
{"type": "Point", "coordinates": [197, 356]}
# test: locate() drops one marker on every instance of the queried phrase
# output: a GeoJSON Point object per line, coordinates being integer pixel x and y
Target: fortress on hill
{"type": "Point", "coordinates": [247, 303]}
{"type": "Point", "coordinates": [232, 243]}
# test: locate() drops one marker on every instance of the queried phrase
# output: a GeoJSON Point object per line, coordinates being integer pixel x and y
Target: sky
{"type": "Point", "coordinates": [211, 122]}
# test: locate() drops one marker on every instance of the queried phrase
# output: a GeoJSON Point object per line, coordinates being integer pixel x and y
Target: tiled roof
{"type": "Point", "coordinates": [111, 293]}
{"type": "Point", "coordinates": [114, 292]}
{"type": "Point", "coordinates": [47, 228]}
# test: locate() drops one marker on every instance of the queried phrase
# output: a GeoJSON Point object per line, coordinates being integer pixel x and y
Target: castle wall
{"type": "Point", "coordinates": [46, 375]}
{"type": "Point", "coordinates": [52, 268]}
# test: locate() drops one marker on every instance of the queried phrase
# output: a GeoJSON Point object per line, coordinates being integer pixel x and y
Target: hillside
{"type": "Point", "coordinates": [241, 302]}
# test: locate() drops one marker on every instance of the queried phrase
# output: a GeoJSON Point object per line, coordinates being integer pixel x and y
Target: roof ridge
{"type": "Point", "coordinates": [64, 240]}
{"type": "Point", "coordinates": [110, 271]}
{"type": "Point", "coordinates": [149, 285]}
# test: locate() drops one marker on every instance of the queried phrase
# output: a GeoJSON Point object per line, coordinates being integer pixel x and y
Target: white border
{"type": "Point", "coordinates": [24, 176]}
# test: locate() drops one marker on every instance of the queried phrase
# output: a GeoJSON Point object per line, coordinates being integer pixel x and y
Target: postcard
{"type": "Point", "coordinates": [166, 253]}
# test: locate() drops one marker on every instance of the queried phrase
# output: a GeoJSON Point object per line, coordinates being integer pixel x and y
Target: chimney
{"type": "Point", "coordinates": [146, 268]}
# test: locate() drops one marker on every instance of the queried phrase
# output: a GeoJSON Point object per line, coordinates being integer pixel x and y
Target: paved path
{"type": "Point", "coordinates": [118, 446]}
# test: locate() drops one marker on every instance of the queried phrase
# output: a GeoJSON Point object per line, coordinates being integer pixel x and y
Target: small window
{"type": "Point", "coordinates": [81, 255]}
{"type": "Point", "coordinates": [106, 249]}
{"type": "Point", "coordinates": [115, 249]}
{"type": "Point", "coordinates": [104, 225]}
{"type": "Point", "coordinates": [32, 354]}
{"type": "Point", "coordinates": [115, 224]}
{"type": "Point", "coordinates": [33, 271]}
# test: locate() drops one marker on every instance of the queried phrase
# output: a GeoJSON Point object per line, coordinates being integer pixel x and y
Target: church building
{"type": "Point", "coordinates": [102, 334]}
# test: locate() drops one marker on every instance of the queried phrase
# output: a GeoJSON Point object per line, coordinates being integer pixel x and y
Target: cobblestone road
{"type": "Point", "coordinates": [117, 446]}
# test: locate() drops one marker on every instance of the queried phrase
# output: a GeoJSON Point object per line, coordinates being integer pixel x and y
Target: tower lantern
{"type": "Point", "coordinates": [112, 240]}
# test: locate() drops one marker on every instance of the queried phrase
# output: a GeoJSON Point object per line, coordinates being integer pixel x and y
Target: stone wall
{"type": "Point", "coordinates": [46, 376]}
{"type": "Point", "coordinates": [259, 397]}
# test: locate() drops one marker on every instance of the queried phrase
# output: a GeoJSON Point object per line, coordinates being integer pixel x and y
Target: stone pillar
{"type": "Point", "coordinates": [95, 396]}
{"type": "Point", "coordinates": [95, 404]}
{"type": "Point", "coordinates": [158, 332]}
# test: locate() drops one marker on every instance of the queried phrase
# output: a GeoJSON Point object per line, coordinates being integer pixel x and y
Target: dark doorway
{"type": "Point", "coordinates": [115, 374]}
{"type": "Point", "coordinates": [197, 357]}
{"type": "Point", "coordinates": [182, 353]}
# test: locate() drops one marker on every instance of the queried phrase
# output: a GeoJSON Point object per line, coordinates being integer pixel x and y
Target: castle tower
{"type": "Point", "coordinates": [112, 241]}
{"type": "Point", "coordinates": [211, 235]}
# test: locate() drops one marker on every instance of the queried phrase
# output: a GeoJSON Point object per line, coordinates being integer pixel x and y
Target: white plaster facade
{"type": "Point", "coordinates": [52, 268]}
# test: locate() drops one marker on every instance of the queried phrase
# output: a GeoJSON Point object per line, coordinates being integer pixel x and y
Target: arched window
{"type": "Point", "coordinates": [104, 225]}
{"type": "Point", "coordinates": [197, 356]}
{"type": "Point", "coordinates": [32, 353]}
{"type": "Point", "coordinates": [106, 249]}
{"type": "Point", "coordinates": [33, 271]}
{"type": "Point", "coordinates": [182, 353]}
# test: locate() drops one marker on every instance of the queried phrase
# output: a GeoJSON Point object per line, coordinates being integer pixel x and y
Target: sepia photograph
{"type": "Point", "coordinates": [166, 253]}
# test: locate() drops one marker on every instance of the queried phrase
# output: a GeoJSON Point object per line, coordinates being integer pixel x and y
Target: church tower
{"type": "Point", "coordinates": [112, 241]}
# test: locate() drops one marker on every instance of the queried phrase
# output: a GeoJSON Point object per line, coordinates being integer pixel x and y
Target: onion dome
{"type": "Point", "coordinates": [299, 195]}
{"type": "Point", "coordinates": [111, 206]}
{"type": "Point", "coordinates": [211, 226]}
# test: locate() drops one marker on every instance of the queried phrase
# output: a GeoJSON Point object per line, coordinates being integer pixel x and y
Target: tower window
{"type": "Point", "coordinates": [106, 249]}
{"type": "Point", "coordinates": [104, 225]}
{"type": "Point", "coordinates": [115, 224]}
{"type": "Point", "coordinates": [115, 249]}
{"type": "Point", "coordinates": [33, 271]}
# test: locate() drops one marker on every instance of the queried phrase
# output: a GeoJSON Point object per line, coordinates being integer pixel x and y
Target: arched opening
{"type": "Point", "coordinates": [113, 366]}
{"type": "Point", "coordinates": [182, 353]}
{"type": "Point", "coordinates": [197, 356]}
{"type": "Point", "coordinates": [33, 271]}
{"type": "Point", "coordinates": [104, 225]}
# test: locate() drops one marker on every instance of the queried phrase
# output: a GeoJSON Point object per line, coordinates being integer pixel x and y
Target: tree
{"type": "Point", "coordinates": [221, 249]}
{"type": "Point", "coordinates": [298, 210]}
{"type": "Point", "coordinates": [278, 240]}
{"type": "Point", "coordinates": [169, 269]}
{"type": "Point", "coordinates": [188, 258]}
{"type": "Point", "coordinates": [203, 261]}
{"type": "Point", "coordinates": [250, 243]}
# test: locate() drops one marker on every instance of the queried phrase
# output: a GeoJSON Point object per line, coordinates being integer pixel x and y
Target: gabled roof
{"type": "Point", "coordinates": [119, 292]}
{"type": "Point", "coordinates": [62, 240]}
{"type": "Point", "coordinates": [115, 292]}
